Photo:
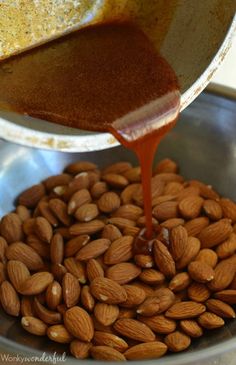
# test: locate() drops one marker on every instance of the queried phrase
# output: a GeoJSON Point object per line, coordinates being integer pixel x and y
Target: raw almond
{"type": "Point", "coordinates": [46, 212]}
{"type": "Point", "coordinates": [11, 228]}
{"type": "Point", "coordinates": [190, 207]}
{"type": "Point", "coordinates": [36, 283]}
{"type": "Point", "coordinates": [144, 261]}
{"type": "Point", "coordinates": [149, 307]}
{"type": "Point", "coordinates": [98, 189]}
{"type": "Point", "coordinates": [212, 209]}
{"type": "Point", "coordinates": [172, 223]}
{"type": "Point", "coordinates": [17, 273]}
{"type": "Point", "coordinates": [198, 292]}
{"type": "Point", "coordinates": [78, 199]}
{"type": "Point", "coordinates": [224, 274]}
{"type": "Point", "coordinates": [57, 249]}
{"type": "Point", "coordinates": [117, 167]}
{"type": "Point", "coordinates": [86, 212]}
{"type": "Point", "coordinates": [178, 242]}
{"type": "Point", "coordinates": [31, 196]}
{"type": "Point", "coordinates": [206, 191]}
{"type": "Point", "coordinates": [106, 314]}
{"type": "Point", "coordinates": [115, 180]}
{"type": "Point", "coordinates": [163, 259]}
{"type": "Point", "coordinates": [108, 202]}
{"type": "Point", "coordinates": [134, 329]}
{"type": "Point", "coordinates": [157, 188]}
{"type": "Point", "coordinates": [55, 180]}
{"type": "Point", "coordinates": [152, 277]}
{"type": "Point", "coordinates": [3, 248]}
{"type": "Point", "coordinates": [119, 251]}
{"type": "Point", "coordinates": [129, 211]}
{"type": "Point", "coordinates": [9, 299]}
{"type": "Point", "coordinates": [127, 313]}
{"type": "Point", "coordinates": [191, 251]}
{"type": "Point", "coordinates": [76, 268]}
{"type": "Point", "coordinates": [43, 229]}
{"type": "Point", "coordinates": [58, 271]}
{"type": "Point", "coordinates": [79, 349]}
{"type": "Point", "coordinates": [59, 209]}
{"type": "Point", "coordinates": [227, 248]}
{"type": "Point", "coordinates": [159, 323]}
{"type": "Point", "coordinates": [166, 165]}
{"type": "Point", "coordinates": [93, 249]}
{"type": "Point", "coordinates": [180, 282]}
{"type": "Point", "coordinates": [106, 353]}
{"type": "Point", "coordinates": [228, 296]}
{"type": "Point", "coordinates": [53, 295]}
{"type": "Point", "coordinates": [87, 228]}
{"type": "Point", "coordinates": [75, 244]}
{"type": "Point", "coordinates": [70, 290]}
{"type": "Point", "coordinates": [177, 341]}
{"type": "Point", "coordinates": [80, 166]}
{"type": "Point", "coordinates": [111, 232]}
{"type": "Point", "coordinates": [166, 210]}
{"type": "Point", "coordinates": [46, 315]}
{"type": "Point", "coordinates": [229, 209]}
{"type": "Point", "coordinates": [87, 299]}
{"type": "Point", "coordinates": [127, 194]}
{"type": "Point", "coordinates": [21, 252]}
{"type": "Point", "coordinates": [94, 269]}
{"type": "Point", "coordinates": [34, 325]}
{"type": "Point", "coordinates": [200, 271]}
{"type": "Point", "coordinates": [79, 323]}
{"type": "Point", "coordinates": [111, 340]}
{"type": "Point", "coordinates": [220, 308]}
{"type": "Point", "coordinates": [123, 273]}
{"type": "Point", "coordinates": [133, 174]}
{"type": "Point", "coordinates": [108, 291]}
{"type": "Point", "coordinates": [58, 333]}
{"type": "Point", "coordinates": [131, 231]}
{"type": "Point", "coordinates": [173, 187]}
{"type": "Point", "coordinates": [210, 321]}
{"type": "Point", "coordinates": [185, 310]}
{"type": "Point", "coordinates": [145, 351]}
{"type": "Point", "coordinates": [135, 296]}
{"type": "Point", "coordinates": [215, 233]}
{"type": "Point", "coordinates": [207, 256]}
{"type": "Point", "coordinates": [191, 328]}
{"type": "Point", "coordinates": [42, 248]}
{"type": "Point", "coordinates": [196, 225]}
{"type": "Point", "coordinates": [121, 223]}
{"type": "Point", "coordinates": [166, 297]}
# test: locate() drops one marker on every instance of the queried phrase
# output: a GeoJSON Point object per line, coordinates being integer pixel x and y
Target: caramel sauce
{"type": "Point", "coordinates": [92, 79]}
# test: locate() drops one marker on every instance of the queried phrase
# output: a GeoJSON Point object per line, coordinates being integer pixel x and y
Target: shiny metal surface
{"type": "Point", "coordinates": [195, 42]}
{"type": "Point", "coordinates": [203, 143]}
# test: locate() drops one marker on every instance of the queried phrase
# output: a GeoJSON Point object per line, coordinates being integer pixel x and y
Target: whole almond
{"type": "Point", "coordinates": [159, 323]}
{"type": "Point", "coordinates": [76, 268]}
{"type": "Point", "coordinates": [200, 271]}
{"type": "Point", "coordinates": [87, 228]}
{"type": "Point", "coordinates": [53, 295]}
{"type": "Point", "coordinates": [86, 212]}
{"type": "Point", "coordinates": [145, 351]}
{"type": "Point", "coordinates": [227, 248]}
{"type": "Point", "coordinates": [21, 252]}
{"type": "Point", "coordinates": [191, 328]}
{"type": "Point", "coordinates": [131, 231]}
{"type": "Point", "coordinates": [152, 277]}
{"type": "Point", "coordinates": [79, 349]}
{"type": "Point", "coordinates": [166, 165]}
{"type": "Point", "coordinates": [190, 207]}
{"type": "Point", "coordinates": [31, 196]}
{"type": "Point", "coordinates": [46, 315]}
{"type": "Point", "coordinates": [173, 187]}
{"type": "Point", "coordinates": [228, 296]}
{"type": "Point", "coordinates": [80, 166]}
{"type": "Point", "coordinates": [28, 226]}
{"type": "Point", "coordinates": [111, 232]}
{"type": "Point", "coordinates": [94, 269]}
{"type": "Point", "coordinates": [75, 244]}
{"type": "Point", "coordinates": [55, 180]}
{"type": "Point", "coordinates": [106, 314]}
{"type": "Point", "coordinates": [198, 292]}
{"type": "Point", "coordinates": [106, 353]}
{"type": "Point", "coordinates": [117, 167]}
{"type": "Point", "coordinates": [43, 229]}
{"type": "Point", "coordinates": [196, 225]}
{"type": "Point", "coordinates": [185, 310]}
{"type": "Point", "coordinates": [70, 290]}
{"type": "Point", "coordinates": [58, 333]}
{"type": "Point", "coordinates": [78, 199]}
{"type": "Point", "coordinates": [172, 222]}
{"type": "Point", "coordinates": [87, 299]}
{"type": "Point", "coordinates": [108, 202]}
{"type": "Point", "coordinates": [27, 307]}
{"type": "Point", "coordinates": [129, 211]}
{"type": "Point", "coordinates": [46, 212]}
{"type": "Point", "coordinates": [210, 321]}
{"type": "Point", "coordinates": [224, 274]}
{"type": "Point", "coordinates": [58, 271]}
{"type": "Point", "coordinates": [134, 329]}
{"type": "Point", "coordinates": [123, 273]}
{"type": "Point", "coordinates": [212, 209]}
{"type": "Point", "coordinates": [3, 248]}
{"type": "Point", "coordinates": [79, 323]}
{"type": "Point", "coordinates": [169, 176]}
{"type": "Point", "coordinates": [59, 209]}
{"type": "Point", "coordinates": [135, 296]}
{"type": "Point", "coordinates": [144, 261]}
{"type": "Point", "coordinates": [166, 210]}
{"type": "Point", "coordinates": [191, 251]}
{"type": "Point", "coordinates": [34, 325]}
{"type": "Point", "coordinates": [17, 273]}
{"type": "Point", "coordinates": [121, 223]}
{"type": "Point", "coordinates": [180, 282]}
{"type": "Point", "coordinates": [166, 297]}
{"type": "Point", "coordinates": [220, 308]}
{"type": "Point", "coordinates": [229, 209]}
{"type": "Point", "coordinates": [9, 299]}
{"type": "Point", "coordinates": [178, 242]}
{"type": "Point", "coordinates": [177, 341]}
{"type": "Point", "coordinates": [115, 180]}
{"type": "Point", "coordinates": [98, 189]}
{"type": "Point", "coordinates": [206, 191]}
{"type": "Point", "coordinates": [149, 307]}
{"type": "Point", "coordinates": [128, 192]}
{"type": "Point", "coordinates": [111, 340]}
{"type": "Point", "coordinates": [163, 259]}
{"type": "Point", "coordinates": [11, 228]}
{"type": "Point", "coordinates": [57, 249]}
{"type": "Point", "coordinates": [108, 291]}
{"type": "Point", "coordinates": [215, 233]}
{"type": "Point", "coordinates": [93, 249]}
{"type": "Point", "coordinates": [36, 283]}
{"type": "Point", "coordinates": [120, 250]}
{"type": "Point", "coordinates": [133, 174]}
{"type": "Point", "coordinates": [188, 191]}
{"type": "Point", "coordinates": [207, 256]}
{"type": "Point", "coordinates": [42, 248]}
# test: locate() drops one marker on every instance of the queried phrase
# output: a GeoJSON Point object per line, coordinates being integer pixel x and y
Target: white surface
{"type": "Point", "coordinates": [226, 75]}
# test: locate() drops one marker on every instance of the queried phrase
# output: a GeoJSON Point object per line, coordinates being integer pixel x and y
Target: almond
{"type": "Point", "coordinates": [87, 228]}
{"type": "Point", "coordinates": [131, 231]}
{"type": "Point", "coordinates": [79, 349]}
{"type": "Point", "coordinates": [210, 321]}
{"type": "Point", "coordinates": [149, 307]}
{"type": "Point", "coordinates": [31, 196]}
{"type": "Point", "coordinates": [207, 256]}
{"type": "Point", "coordinates": [152, 277]}
{"type": "Point", "coordinates": [119, 251]}
{"type": "Point", "coordinates": [166, 297]}
{"type": "Point", "coordinates": [11, 228]}
{"type": "Point", "coordinates": [109, 202]}
{"type": "Point", "coordinates": [27, 308]}
{"type": "Point", "coordinates": [76, 268]}
{"type": "Point", "coordinates": [172, 223]}
{"type": "Point", "coordinates": [163, 259]}
{"type": "Point", "coordinates": [98, 189]}
{"type": "Point", "coordinates": [55, 180]}
{"type": "Point", "coordinates": [80, 166]}
{"type": "Point", "coordinates": [115, 180]}
{"type": "Point", "coordinates": [87, 299]}
{"type": "Point", "coordinates": [3, 248]}
{"type": "Point", "coordinates": [128, 192]}
{"type": "Point", "coordinates": [129, 211]}
{"type": "Point", "coordinates": [78, 199]}
{"type": "Point", "coordinates": [21, 252]}
{"type": "Point", "coordinates": [111, 340]}
{"type": "Point", "coordinates": [159, 323]}
{"type": "Point", "coordinates": [17, 273]}
{"type": "Point", "coordinates": [106, 314]}
{"type": "Point", "coordinates": [46, 212]}
{"type": "Point", "coordinates": [165, 210]}
{"type": "Point", "coordinates": [229, 209]}
{"type": "Point", "coordinates": [185, 310]}
{"type": "Point", "coordinates": [43, 229]}
{"type": "Point", "coordinates": [123, 273]}
{"type": "Point", "coordinates": [2, 272]}
{"type": "Point", "coordinates": [133, 174]}
{"type": "Point", "coordinates": [36, 283]}
{"type": "Point", "coordinates": [134, 329]}
{"type": "Point", "coordinates": [144, 261]}
{"type": "Point", "coordinates": [224, 274]}
{"type": "Point", "coordinates": [53, 295]}
{"type": "Point", "coordinates": [117, 167]}
{"type": "Point", "coordinates": [198, 292]}
{"type": "Point", "coordinates": [75, 244]}
{"type": "Point", "coordinates": [9, 299]}
{"type": "Point", "coordinates": [200, 271]}
{"type": "Point", "coordinates": [180, 282]}
{"type": "Point", "coordinates": [58, 333]}
{"type": "Point", "coordinates": [190, 207]}
{"type": "Point", "coordinates": [178, 242]}
{"type": "Point", "coordinates": [108, 291]}
{"type": "Point", "coordinates": [228, 296]}
{"type": "Point", "coordinates": [59, 209]}
{"type": "Point", "coordinates": [212, 209]}
{"type": "Point", "coordinates": [34, 325]}
{"type": "Point", "coordinates": [93, 249]}
{"type": "Point", "coordinates": [206, 191]}
{"type": "Point", "coordinates": [188, 191]}
{"type": "Point", "coordinates": [94, 269]}
{"type": "Point", "coordinates": [58, 271]}
{"type": "Point", "coordinates": [70, 290]}
{"type": "Point", "coordinates": [215, 233]}
{"type": "Point", "coordinates": [79, 323]}
{"type": "Point", "coordinates": [42, 248]}
{"type": "Point", "coordinates": [57, 249]}
{"type": "Point", "coordinates": [145, 351]}
{"type": "Point", "coordinates": [173, 187]}
{"type": "Point", "coordinates": [227, 248]}
{"type": "Point", "coordinates": [169, 176]}
{"type": "Point", "coordinates": [166, 165]}
{"type": "Point", "coordinates": [157, 188]}
{"type": "Point", "coordinates": [196, 225]}
{"type": "Point", "coordinates": [191, 328]}
{"type": "Point", "coordinates": [220, 308]}
{"type": "Point", "coordinates": [46, 315]}
{"type": "Point", "coordinates": [177, 341]}
{"type": "Point", "coordinates": [135, 296]}
{"type": "Point", "coordinates": [86, 212]}
{"type": "Point", "coordinates": [121, 223]}
{"type": "Point", "coordinates": [191, 251]}
{"type": "Point", "coordinates": [28, 226]}
{"type": "Point", "coordinates": [106, 353]}
{"type": "Point", "coordinates": [111, 232]}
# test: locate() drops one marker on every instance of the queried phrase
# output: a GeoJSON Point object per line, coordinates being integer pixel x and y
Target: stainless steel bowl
{"type": "Point", "coordinates": [204, 145]}
{"type": "Point", "coordinates": [194, 38]}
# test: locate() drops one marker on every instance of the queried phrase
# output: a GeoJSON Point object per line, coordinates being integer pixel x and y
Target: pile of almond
{"type": "Point", "coordinates": [72, 269]}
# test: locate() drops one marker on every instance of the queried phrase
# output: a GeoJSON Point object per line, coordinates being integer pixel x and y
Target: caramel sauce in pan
{"type": "Point", "coordinates": [92, 79]}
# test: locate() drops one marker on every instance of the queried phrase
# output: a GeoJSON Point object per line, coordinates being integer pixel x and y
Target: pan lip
{"type": "Point", "coordinates": [86, 142]}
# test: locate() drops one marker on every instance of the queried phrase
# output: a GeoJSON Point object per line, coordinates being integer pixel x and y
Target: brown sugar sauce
{"type": "Point", "coordinates": [106, 77]}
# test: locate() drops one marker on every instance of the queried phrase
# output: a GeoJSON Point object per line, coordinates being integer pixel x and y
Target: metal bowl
{"type": "Point", "coordinates": [204, 145]}
{"type": "Point", "coordinates": [194, 36]}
